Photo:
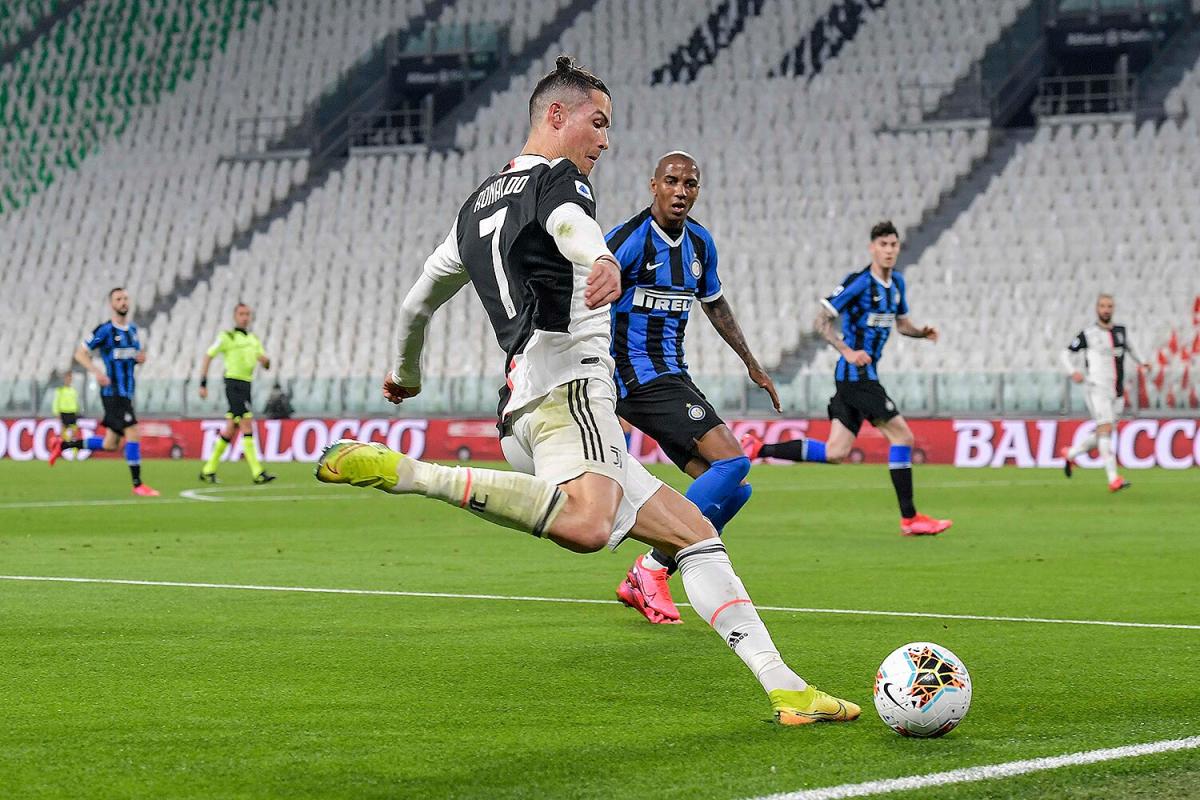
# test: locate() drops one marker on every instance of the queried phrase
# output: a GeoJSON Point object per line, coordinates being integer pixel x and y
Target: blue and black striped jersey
{"type": "Point", "coordinates": [119, 348]}
{"type": "Point", "coordinates": [660, 278]}
{"type": "Point", "coordinates": [869, 308]}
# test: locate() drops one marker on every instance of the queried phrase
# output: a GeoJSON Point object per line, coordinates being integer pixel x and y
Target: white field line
{"type": "Point", "coordinates": [987, 772]}
{"type": "Point", "coordinates": [194, 495]}
{"type": "Point", "coordinates": [583, 601]}
{"type": "Point", "coordinates": [254, 495]}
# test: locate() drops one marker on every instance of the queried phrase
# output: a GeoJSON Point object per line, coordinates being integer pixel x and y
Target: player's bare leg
{"type": "Point", "coordinates": [671, 523]}
{"type": "Point", "coordinates": [577, 515]}
{"type": "Point", "coordinates": [719, 490]}
{"type": "Point", "coordinates": [1104, 432]}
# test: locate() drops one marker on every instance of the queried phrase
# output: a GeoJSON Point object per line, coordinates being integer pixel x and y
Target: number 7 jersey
{"type": "Point", "coordinates": [532, 294]}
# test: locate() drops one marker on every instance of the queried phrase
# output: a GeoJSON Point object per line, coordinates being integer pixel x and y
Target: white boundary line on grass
{"type": "Point", "coordinates": [192, 496]}
{"type": "Point", "coordinates": [582, 601]}
{"type": "Point", "coordinates": [204, 495]}
{"type": "Point", "coordinates": [1010, 769]}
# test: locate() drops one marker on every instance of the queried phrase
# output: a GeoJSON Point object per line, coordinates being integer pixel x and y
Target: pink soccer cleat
{"type": "Point", "coordinates": [1118, 484]}
{"type": "Point", "coordinates": [922, 525]}
{"type": "Point", "coordinates": [142, 490]}
{"type": "Point", "coordinates": [751, 444]}
{"type": "Point", "coordinates": [54, 445]}
{"type": "Point", "coordinates": [647, 592]}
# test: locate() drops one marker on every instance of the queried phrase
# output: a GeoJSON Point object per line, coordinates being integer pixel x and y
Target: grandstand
{"type": "Point", "coordinates": [121, 162]}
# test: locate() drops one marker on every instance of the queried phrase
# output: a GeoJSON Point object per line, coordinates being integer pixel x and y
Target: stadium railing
{"type": "Point", "coordinates": [1042, 393]}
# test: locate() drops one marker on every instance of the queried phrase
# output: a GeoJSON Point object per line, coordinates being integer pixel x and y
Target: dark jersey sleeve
{"type": "Point", "coordinates": [709, 288]}
{"type": "Point", "coordinates": [1078, 343]}
{"type": "Point", "coordinates": [849, 290]}
{"type": "Point", "coordinates": [97, 339]}
{"type": "Point", "coordinates": [564, 183]}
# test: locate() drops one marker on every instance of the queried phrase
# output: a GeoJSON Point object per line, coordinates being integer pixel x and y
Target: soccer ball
{"type": "Point", "coordinates": [922, 690]}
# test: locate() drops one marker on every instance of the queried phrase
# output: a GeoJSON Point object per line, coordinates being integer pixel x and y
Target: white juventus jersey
{"type": "Point", "coordinates": [1103, 350]}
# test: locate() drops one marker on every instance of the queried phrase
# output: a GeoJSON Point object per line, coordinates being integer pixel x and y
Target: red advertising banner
{"type": "Point", "coordinates": [1140, 443]}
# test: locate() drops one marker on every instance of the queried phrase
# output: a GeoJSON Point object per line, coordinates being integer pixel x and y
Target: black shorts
{"type": "Point", "coordinates": [855, 401]}
{"type": "Point", "coordinates": [118, 413]}
{"type": "Point", "coordinates": [673, 412]}
{"type": "Point", "coordinates": [238, 394]}
{"type": "Point", "coordinates": [68, 418]}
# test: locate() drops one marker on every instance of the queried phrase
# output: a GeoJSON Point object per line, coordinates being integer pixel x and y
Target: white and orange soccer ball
{"type": "Point", "coordinates": [922, 690]}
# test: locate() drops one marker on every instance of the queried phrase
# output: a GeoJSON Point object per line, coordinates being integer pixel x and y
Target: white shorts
{"type": "Point", "coordinates": [574, 430]}
{"type": "Point", "coordinates": [1104, 404]}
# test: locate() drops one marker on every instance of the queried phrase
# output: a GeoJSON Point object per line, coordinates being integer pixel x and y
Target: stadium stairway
{"type": "Point", "coordinates": [445, 128]}
{"type": "Point", "coordinates": [1019, 55]}
{"type": "Point", "coordinates": [1156, 82]}
{"type": "Point", "coordinates": [1002, 146]}
{"type": "Point", "coordinates": [333, 107]}
{"type": "Point", "coordinates": [336, 104]}
{"type": "Point", "coordinates": [58, 12]}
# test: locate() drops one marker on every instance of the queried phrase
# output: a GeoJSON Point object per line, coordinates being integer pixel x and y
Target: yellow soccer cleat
{"type": "Point", "coordinates": [359, 464]}
{"type": "Point", "coordinates": [810, 705]}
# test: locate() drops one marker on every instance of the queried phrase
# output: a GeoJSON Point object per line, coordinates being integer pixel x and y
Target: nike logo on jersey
{"type": "Point", "coordinates": [652, 267]}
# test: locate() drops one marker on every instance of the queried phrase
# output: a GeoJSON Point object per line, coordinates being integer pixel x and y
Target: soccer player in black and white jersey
{"type": "Point", "coordinates": [1103, 347]}
{"type": "Point", "coordinates": [528, 242]}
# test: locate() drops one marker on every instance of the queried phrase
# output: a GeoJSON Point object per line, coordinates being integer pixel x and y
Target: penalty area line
{"type": "Point", "coordinates": [579, 601]}
{"type": "Point", "coordinates": [1010, 769]}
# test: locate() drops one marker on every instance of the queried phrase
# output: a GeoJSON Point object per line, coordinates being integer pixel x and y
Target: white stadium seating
{"type": "Point", "coordinates": [795, 170]}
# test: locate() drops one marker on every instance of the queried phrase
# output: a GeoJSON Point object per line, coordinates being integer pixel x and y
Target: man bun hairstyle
{"type": "Point", "coordinates": [884, 228]}
{"type": "Point", "coordinates": [566, 76]}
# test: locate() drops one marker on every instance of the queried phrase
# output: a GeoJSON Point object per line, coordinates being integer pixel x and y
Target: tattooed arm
{"type": "Point", "coordinates": [720, 314]}
{"type": "Point", "coordinates": [905, 327]}
{"type": "Point", "coordinates": [825, 325]}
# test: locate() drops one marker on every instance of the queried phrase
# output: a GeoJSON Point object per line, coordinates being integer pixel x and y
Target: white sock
{"type": "Point", "coordinates": [718, 596]}
{"type": "Point", "coordinates": [512, 499]}
{"type": "Point", "coordinates": [650, 562]}
{"type": "Point", "coordinates": [1106, 455]}
{"type": "Point", "coordinates": [1083, 447]}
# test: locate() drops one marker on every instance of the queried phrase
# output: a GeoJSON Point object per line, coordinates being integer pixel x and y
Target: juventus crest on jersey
{"type": "Point", "coordinates": [534, 297]}
{"type": "Point", "coordinates": [1104, 352]}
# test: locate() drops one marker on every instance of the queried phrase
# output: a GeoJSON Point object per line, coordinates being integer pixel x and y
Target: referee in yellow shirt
{"type": "Point", "coordinates": [241, 352]}
{"type": "Point", "coordinates": [66, 405]}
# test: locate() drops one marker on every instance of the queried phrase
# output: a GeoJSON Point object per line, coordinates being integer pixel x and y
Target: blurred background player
{"type": "Point", "coordinates": [241, 351]}
{"type": "Point", "coordinates": [667, 261]}
{"type": "Point", "coordinates": [66, 405]}
{"type": "Point", "coordinates": [121, 350]}
{"type": "Point", "coordinates": [869, 302]}
{"type": "Point", "coordinates": [1103, 347]}
{"type": "Point", "coordinates": [527, 241]}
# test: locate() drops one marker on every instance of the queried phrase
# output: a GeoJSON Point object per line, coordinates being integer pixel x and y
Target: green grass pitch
{"type": "Point", "coordinates": [152, 691]}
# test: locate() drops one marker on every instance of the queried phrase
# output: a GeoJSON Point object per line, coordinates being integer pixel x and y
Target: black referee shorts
{"type": "Point", "coordinates": [238, 394]}
{"type": "Point", "coordinates": [118, 413]}
{"type": "Point", "coordinates": [673, 412]}
{"type": "Point", "coordinates": [855, 401]}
